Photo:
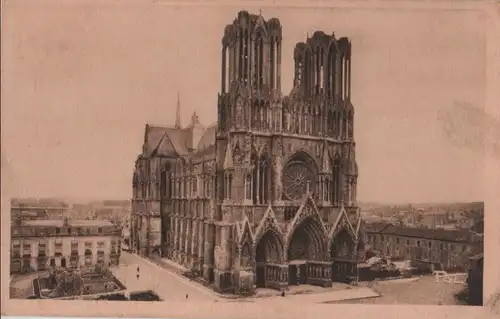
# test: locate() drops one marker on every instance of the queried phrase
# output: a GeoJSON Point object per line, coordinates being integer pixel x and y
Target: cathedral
{"type": "Point", "coordinates": [266, 196]}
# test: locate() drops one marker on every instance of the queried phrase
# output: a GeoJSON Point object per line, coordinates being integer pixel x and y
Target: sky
{"type": "Point", "coordinates": [80, 81]}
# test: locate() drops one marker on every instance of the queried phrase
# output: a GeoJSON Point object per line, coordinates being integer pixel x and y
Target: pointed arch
{"type": "Point", "coordinates": [343, 245]}
{"type": "Point", "coordinates": [303, 156]}
{"type": "Point", "coordinates": [332, 67]}
{"type": "Point", "coordinates": [246, 255]}
{"type": "Point", "coordinates": [237, 152]}
{"type": "Point", "coordinates": [336, 180]}
{"type": "Point", "coordinates": [307, 70]}
{"type": "Point", "coordinates": [228, 157]}
{"type": "Point", "coordinates": [245, 232]}
{"type": "Point", "coordinates": [267, 222]}
{"type": "Point", "coordinates": [260, 26]}
{"type": "Point", "coordinates": [240, 91]}
{"type": "Point", "coordinates": [342, 223]}
{"type": "Point", "coordinates": [326, 159]}
{"type": "Point", "coordinates": [222, 117]}
{"type": "Point", "coordinates": [258, 35]}
{"type": "Point", "coordinates": [245, 243]}
{"type": "Point", "coordinates": [163, 183]}
{"type": "Point", "coordinates": [269, 248]}
{"type": "Point", "coordinates": [307, 234]}
{"type": "Point", "coordinates": [350, 123]}
{"type": "Point", "coordinates": [299, 64]}
{"type": "Point", "coordinates": [307, 241]}
{"type": "Point", "coordinates": [331, 122]}
{"type": "Point", "coordinates": [254, 160]}
{"type": "Point", "coordinates": [248, 186]}
{"type": "Point", "coordinates": [343, 248]}
{"type": "Point", "coordinates": [135, 178]}
{"type": "Point", "coordinates": [264, 178]}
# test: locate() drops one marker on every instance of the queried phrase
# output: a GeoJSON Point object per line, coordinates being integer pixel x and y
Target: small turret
{"type": "Point", "coordinates": [178, 112]}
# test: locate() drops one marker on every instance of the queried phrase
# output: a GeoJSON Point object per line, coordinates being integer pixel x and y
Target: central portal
{"type": "Point", "coordinates": [305, 251]}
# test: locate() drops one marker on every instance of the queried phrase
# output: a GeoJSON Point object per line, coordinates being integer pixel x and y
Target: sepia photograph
{"type": "Point", "coordinates": [244, 154]}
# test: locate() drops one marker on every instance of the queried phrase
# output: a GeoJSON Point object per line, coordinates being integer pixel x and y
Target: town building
{"type": "Point", "coordinates": [267, 195]}
{"type": "Point", "coordinates": [115, 211]}
{"type": "Point", "coordinates": [41, 244]}
{"type": "Point", "coordinates": [35, 209]}
{"type": "Point", "coordinates": [444, 249]}
{"type": "Point", "coordinates": [475, 280]}
{"type": "Point", "coordinates": [449, 216]}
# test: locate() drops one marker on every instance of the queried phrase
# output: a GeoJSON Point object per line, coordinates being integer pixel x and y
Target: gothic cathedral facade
{"type": "Point", "coordinates": [266, 197]}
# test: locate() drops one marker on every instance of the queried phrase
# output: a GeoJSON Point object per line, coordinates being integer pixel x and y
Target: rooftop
{"type": "Point", "coordinates": [169, 141]}
{"type": "Point", "coordinates": [70, 223]}
{"type": "Point", "coordinates": [426, 233]}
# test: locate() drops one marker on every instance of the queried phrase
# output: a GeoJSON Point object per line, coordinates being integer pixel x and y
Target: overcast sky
{"type": "Point", "coordinates": [81, 81]}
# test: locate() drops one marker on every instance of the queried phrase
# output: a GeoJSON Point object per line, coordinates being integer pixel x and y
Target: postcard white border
{"type": "Point", "coordinates": [280, 310]}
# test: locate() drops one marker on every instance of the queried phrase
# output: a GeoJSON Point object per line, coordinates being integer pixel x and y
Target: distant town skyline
{"type": "Point", "coordinates": [92, 200]}
{"type": "Point", "coordinates": [77, 97]}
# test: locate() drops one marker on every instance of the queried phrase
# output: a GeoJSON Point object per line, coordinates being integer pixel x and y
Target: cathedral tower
{"type": "Point", "coordinates": [266, 197]}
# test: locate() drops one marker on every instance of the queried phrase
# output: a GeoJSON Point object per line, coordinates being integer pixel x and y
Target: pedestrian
{"type": "Point", "coordinates": [282, 294]}
{"type": "Point", "coordinates": [187, 296]}
{"type": "Point", "coordinates": [137, 276]}
{"type": "Point", "coordinates": [137, 268]}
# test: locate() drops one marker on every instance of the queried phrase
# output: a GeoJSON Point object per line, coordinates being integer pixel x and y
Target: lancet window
{"type": "Point", "coordinates": [337, 185]}
{"type": "Point", "coordinates": [261, 179]}
{"type": "Point", "coordinates": [248, 187]}
{"type": "Point", "coordinates": [332, 56]}
{"type": "Point", "coordinates": [228, 181]}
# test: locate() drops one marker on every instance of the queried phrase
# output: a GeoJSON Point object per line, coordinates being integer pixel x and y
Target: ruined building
{"type": "Point", "coordinates": [267, 195]}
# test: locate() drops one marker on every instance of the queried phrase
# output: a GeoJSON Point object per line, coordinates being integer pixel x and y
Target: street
{"type": "Point", "coordinates": [169, 286]}
{"type": "Point", "coordinates": [173, 287]}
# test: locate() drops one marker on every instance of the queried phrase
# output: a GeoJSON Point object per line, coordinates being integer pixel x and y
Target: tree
{"type": "Point", "coordinates": [106, 272]}
{"type": "Point", "coordinates": [77, 287]}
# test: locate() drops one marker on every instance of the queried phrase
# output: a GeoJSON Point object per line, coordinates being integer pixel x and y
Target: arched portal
{"type": "Point", "coordinates": [269, 251]}
{"type": "Point", "coordinates": [343, 252]}
{"type": "Point", "coordinates": [307, 241]}
{"type": "Point", "coordinates": [306, 249]}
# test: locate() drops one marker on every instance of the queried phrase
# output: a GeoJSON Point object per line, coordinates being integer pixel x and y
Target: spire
{"type": "Point", "coordinates": [194, 119]}
{"type": "Point", "coordinates": [178, 112]}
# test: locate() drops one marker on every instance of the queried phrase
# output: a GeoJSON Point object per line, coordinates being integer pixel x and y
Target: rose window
{"type": "Point", "coordinates": [298, 179]}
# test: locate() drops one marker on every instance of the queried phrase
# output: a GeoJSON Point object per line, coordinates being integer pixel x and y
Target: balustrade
{"type": "Point", "coordinates": [319, 273]}
{"type": "Point", "coordinates": [276, 276]}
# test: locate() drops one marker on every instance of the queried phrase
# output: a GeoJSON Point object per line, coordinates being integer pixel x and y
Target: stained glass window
{"type": "Point", "coordinates": [298, 179]}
